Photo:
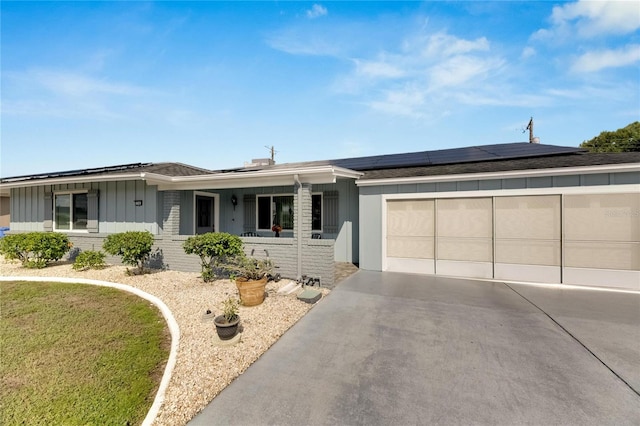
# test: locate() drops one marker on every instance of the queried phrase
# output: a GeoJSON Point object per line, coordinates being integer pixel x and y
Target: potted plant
{"type": "Point", "coordinates": [227, 323]}
{"type": "Point", "coordinates": [251, 276]}
{"type": "Point", "coordinates": [277, 229]}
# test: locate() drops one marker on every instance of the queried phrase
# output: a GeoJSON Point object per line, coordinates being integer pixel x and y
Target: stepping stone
{"type": "Point", "coordinates": [310, 295]}
{"type": "Point", "coordinates": [230, 342]}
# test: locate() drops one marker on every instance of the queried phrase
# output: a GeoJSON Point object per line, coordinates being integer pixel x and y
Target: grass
{"type": "Point", "coordinates": [77, 354]}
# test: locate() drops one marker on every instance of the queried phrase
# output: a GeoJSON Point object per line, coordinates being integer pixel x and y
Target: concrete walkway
{"type": "Point", "coordinates": [387, 348]}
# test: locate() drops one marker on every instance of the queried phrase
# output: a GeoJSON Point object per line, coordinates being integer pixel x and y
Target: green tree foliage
{"type": "Point", "coordinates": [214, 249]}
{"type": "Point", "coordinates": [134, 247]}
{"type": "Point", "coordinates": [35, 249]}
{"type": "Point", "coordinates": [626, 139]}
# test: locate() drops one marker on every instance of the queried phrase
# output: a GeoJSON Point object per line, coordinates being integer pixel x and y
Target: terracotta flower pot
{"type": "Point", "coordinates": [251, 291]}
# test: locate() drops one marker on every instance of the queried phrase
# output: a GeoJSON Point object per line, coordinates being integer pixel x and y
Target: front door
{"type": "Point", "coordinates": [204, 214]}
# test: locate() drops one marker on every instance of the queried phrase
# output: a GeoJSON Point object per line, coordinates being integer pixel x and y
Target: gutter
{"type": "Point", "coordinates": [298, 184]}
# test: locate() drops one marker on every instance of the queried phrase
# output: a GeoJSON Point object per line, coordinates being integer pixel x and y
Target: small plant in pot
{"type": "Point", "coordinates": [251, 276]}
{"type": "Point", "coordinates": [227, 323]}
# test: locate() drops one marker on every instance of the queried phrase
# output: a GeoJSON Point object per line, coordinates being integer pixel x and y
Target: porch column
{"type": "Point", "coordinates": [171, 213]}
{"type": "Point", "coordinates": [302, 219]}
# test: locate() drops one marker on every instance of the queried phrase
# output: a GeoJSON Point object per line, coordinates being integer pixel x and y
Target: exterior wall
{"type": "Point", "coordinates": [373, 202]}
{"type": "Point", "coordinates": [117, 211]}
{"type": "Point", "coordinates": [5, 208]}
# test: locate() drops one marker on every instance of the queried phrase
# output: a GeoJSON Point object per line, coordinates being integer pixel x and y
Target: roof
{"type": "Point", "coordinates": [454, 161]}
{"type": "Point", "coordinates": [435, 157]}
{"type": "Point", "coordinates": [571, 160]}
{"type": "Point", "coordinates": [167, 169]}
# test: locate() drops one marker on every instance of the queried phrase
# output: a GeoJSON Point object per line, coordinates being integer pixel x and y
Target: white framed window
{"type": "Point", "coordinates": [70, 211]}
{"type": "Point", "coordinates": [316, 212]}
{"type": "Point", "coordinates": [275, 210]}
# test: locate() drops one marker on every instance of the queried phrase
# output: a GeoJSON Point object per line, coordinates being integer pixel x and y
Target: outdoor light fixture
{"type": "Point", "coordinates": [234, 201]}
{"type": "Point", "coordinates": [138, 203]}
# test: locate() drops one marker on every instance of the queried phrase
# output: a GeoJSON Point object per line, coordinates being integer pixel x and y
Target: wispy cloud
{"type": "Point", "coordinates": [316, 11]}
{"type": "Point", "coordinates": [590, 19]}
{"type": "Point", "coordinates": [612, 58]}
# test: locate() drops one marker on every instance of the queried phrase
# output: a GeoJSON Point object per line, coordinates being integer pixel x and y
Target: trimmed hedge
{"type": "Point", "coordinates": [134, 247]}
{"type": "Point", "coordinates": [214, 249]}
{"type": "Point", "coordinates": [35, 249]}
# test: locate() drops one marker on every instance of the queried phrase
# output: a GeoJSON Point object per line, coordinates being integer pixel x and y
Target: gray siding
{"type": "Point", "coordinates": [117, 211]}
{"type": "Point", "coordinates": [371, 228]}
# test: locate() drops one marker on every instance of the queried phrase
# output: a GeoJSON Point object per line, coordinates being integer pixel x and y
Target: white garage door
{"type": "Point", "coordinates": [410, 236]}
{"type": "Point", "coordinates": [528, 230]}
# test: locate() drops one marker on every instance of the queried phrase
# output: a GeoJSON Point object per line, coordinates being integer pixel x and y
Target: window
{"type": "Point", "coordinates": [70, 211]}
{"type": "Point", "coordinates": [275, 209]}
{"type": "Point", "coordinates": [316, 212]}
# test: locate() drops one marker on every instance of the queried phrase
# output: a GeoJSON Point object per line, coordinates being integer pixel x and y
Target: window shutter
{"type": "Point", "coordinates": [48, 211]}
{"type": "Point", "coordinates": [249, 205]}
{"type": "Point", "coordinates": [330, 223]}
{"type": "Point", "coordinates": [92, 210]}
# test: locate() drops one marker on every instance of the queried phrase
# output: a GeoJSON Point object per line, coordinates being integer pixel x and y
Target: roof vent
{"type": "Point", "coordinates": [260, 162]}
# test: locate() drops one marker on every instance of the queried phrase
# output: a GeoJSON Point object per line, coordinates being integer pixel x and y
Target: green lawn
{"type": "Point", "coordinates": [77, 354]}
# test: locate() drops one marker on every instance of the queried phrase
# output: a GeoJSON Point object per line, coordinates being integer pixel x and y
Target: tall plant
{"type": "Point", "coordinates": [214, 250]}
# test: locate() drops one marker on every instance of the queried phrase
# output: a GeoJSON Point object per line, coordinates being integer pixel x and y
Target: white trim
{"type": "Point", "coordinates": [221, 180]}
{"type": "Point", "coordinates": [216, 209]}
{"type": "Point", "coordinates": [253, 179]}
{"type": "Point", "coordinates": [559, 171]}
{"type": "Point", "coordinates": [614, 278]}
{"type": "Point", "coordinates": [174, 330]}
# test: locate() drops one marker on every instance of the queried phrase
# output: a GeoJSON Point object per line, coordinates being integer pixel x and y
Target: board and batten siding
{"type": "Point", "coordinates": [117, 211]}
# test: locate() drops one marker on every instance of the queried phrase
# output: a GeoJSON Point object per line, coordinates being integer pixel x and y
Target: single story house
{"type": "Point", "coordinates": [514, 211]}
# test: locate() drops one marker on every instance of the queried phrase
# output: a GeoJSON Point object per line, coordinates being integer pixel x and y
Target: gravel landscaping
{"type": "Point", "coordinates": [202, 368]}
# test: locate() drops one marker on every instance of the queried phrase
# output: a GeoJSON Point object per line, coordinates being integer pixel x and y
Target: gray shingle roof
{"type": "Point", "coordinates": [543, 162]}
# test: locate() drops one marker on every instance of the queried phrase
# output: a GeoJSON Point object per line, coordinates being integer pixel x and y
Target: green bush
{"type": "Point", "coordinates": [89, 259]}
{"type": "Point", "coordinates": [35, 249]}
{"type": "Point", "coordinates": [134, 247]}
{"type": "Point", "coordinates": [214, 249]}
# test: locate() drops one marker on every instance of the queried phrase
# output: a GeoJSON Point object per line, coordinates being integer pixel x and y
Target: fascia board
{"type": "Point", "coordinates": [261, 178]}
{"type": "Point", "coordinates": [71, 179]}
{"type": "Point", "coordinates": [561, 171]}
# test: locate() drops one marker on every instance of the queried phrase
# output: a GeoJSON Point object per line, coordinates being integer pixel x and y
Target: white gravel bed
{"type": "Point", "coordinates": [202, 369]}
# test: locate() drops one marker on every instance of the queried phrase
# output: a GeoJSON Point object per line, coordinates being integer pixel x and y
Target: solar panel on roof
{"type": "Point", "coordinates": [453, 156]}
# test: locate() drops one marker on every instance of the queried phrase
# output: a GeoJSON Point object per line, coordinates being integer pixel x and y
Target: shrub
{"type": "Point", "coordinates": [134, 247]}
{"type": "Point", "coordinates": [35, 249]}
{"type": "Point", "coordinates": [214, 248]}
{"type": "Point", "coordinates": [89, 259]}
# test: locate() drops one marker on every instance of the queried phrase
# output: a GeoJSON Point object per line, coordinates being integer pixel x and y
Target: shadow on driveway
{"type": "Point", "coordinates": [389, 348]}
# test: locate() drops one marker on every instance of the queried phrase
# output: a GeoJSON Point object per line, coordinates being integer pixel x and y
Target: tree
{"type": "Point", "coordinates": [626, 139]}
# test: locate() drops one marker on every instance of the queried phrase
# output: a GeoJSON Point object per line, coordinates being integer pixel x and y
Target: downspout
{"type": "Point", "coordinates": [296, 179]}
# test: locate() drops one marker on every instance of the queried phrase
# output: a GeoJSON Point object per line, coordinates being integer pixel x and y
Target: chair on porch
{"type": "Point", "coordinates": [249, 234]}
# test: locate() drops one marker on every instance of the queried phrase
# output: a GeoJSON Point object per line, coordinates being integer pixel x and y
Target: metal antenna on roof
{"type": "Point", "coordinates": [272, 151]}
{"type": "Point", "coordinates": [532, 139]}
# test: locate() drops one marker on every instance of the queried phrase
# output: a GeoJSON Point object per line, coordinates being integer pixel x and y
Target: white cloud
{"type": "Point", "coordinates": [78, 85]}
{"type": "Point", "coordinates": [592, 18]}
{"type": "Point", "coordinates": [378, 69]}
{"type": "Point", "coordinates": [528, 52]}
{"type": "Point", "coordinates": [597, 60]}
{"type": "Point", "coordinates": [460, 69]}
{"type": "Point", "coordinates": [316, 11]}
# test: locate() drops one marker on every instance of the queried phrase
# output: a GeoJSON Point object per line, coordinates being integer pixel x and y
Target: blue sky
{"type": "Point", "coordinates": [89, 84]}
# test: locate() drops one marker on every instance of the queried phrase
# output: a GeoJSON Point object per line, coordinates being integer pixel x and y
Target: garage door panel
{"type": "Point", "coordinates": [603, 255]}
{"type": "Point", "coordinates": [465, 217]}
{"type": "Point", "coordinates": [529, 252]}
{"type": "Point", "coordinates": [528, 217]}
{"type": "Point", "coordinates": [465, 249]}
{"type": "Point", "coordinates": [410, 218]}
{"type": "Point", "coordinates": [602, 217]}
{"type": "Point", "coordinates": [410, 247]}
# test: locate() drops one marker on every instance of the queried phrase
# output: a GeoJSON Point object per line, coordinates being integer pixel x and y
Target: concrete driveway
{"type": "Point", "coordinates": [389, 348]}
